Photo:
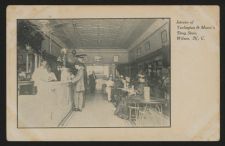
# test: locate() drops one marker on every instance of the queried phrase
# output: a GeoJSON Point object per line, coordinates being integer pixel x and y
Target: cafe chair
{"type": "Point", "coordinates": [142, 114]}
{"type": "Point", "coordinates": [158, 108]}
{"type": "Point", "coordinates": [133, 111]}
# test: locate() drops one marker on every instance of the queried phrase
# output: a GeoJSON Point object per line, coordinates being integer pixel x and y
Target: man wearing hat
{"type": "Point", "coordinates": [80, 58]}
{"type": "Point", "coordinates": [79, 88]}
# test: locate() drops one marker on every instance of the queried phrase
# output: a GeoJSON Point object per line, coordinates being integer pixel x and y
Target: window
{"type": "Point", "coordinates": [147, 46]}
{"type": "Point", "coordinates": [138, 51]}
{"type": "Point", "coordinates": [100, 70]}
{"type": "Point", "coordinates": [115, 58]}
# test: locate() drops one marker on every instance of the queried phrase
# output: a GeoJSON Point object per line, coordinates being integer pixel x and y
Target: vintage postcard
{"type": "Point", "coordinates": [113, 73]}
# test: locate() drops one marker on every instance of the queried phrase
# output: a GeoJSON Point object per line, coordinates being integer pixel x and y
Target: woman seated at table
{"type": "Point", "coordinates": [116, 90]}
{"type": "Point", "coordinates": [118, 83]}
{"type": "Point", "coordinates": [165, 84]}
{"type": "Point", "coordinates": [141, 84]}
{"type": "Point", "coordinates": [122, 110]}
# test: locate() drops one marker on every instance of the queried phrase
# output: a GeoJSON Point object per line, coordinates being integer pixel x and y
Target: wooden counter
{"type": "Point", "coordinates": [46, 109]}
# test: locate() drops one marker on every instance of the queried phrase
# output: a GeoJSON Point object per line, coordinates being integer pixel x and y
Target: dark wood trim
{"type": "Point", "coordinates": [151, 55]}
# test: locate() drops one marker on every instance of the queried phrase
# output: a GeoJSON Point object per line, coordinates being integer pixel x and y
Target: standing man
{"type": "Point", "coordinates": [79, 89]}
{"type": "Point", "coordinates": [109, 85]}
{"type": "Point", "coordinates": [92, 82]}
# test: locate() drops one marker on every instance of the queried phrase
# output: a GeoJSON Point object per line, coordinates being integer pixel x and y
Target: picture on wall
{"type": "Point", "coordinates": [164, 36]}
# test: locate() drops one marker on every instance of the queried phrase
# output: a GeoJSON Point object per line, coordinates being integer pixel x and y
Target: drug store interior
{"type": "Point", "coordinates": [122, 78]}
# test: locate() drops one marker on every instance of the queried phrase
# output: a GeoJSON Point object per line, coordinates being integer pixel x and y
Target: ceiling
{"type": "Point", "coordinates": [94, 33]}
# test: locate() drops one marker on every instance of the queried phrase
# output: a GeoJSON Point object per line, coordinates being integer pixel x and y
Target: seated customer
{"type": "Point", "coordinates": [141, 84]}
{"type": "Point", "coordinates": [165, 84]}
{"type": "Point", "coordinates": [118, 83]}
{"type": "Point", "coordinates": [122, 110]}
{"type": "Point", "coordinates": [116, 91]}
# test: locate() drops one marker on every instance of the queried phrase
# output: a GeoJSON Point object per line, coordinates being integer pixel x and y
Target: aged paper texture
{"type": "Point", "coordinates": [195, 78]}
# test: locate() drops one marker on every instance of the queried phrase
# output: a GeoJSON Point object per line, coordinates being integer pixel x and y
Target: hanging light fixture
{"type": "Point", "coordinates": [74, 52]}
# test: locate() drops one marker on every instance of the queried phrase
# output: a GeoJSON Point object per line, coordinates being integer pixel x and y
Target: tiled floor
{"type": "Point", "coordinates": [98, 112]}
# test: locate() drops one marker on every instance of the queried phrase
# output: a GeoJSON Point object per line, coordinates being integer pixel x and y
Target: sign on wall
{"type": "Point", "coordinates": [98, 58]}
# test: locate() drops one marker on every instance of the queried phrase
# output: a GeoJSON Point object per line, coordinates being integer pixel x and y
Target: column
{"type": "Point", "coordinates": [35, 61]}
{"type": "Point", "coordinates": [113, 70]}
{"type": "Point", "coordinates": [39, 61]}
{"type": "Point", "coordinates": [27, 63]}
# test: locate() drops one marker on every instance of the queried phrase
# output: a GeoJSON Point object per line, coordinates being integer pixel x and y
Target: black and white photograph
{"type": "Point", "coordinates": [94, 72]}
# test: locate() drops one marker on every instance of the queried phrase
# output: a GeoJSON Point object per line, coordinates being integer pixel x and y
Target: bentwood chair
{"type": "Point", "coordinates": [142, 113]}
{"type": "Point", "coordinates": [133, 112]}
